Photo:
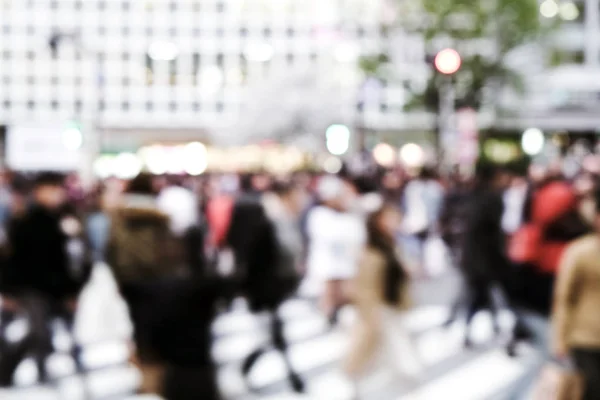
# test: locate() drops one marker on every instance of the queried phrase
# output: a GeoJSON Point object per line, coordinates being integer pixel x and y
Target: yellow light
{"type": "Point", "coordinates": [384, 154]}
{"type": "Point", "coordinates": [412, 155]}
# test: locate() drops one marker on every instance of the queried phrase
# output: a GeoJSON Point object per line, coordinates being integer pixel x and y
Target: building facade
{"type": "Point", "coordinates": [216, 68]}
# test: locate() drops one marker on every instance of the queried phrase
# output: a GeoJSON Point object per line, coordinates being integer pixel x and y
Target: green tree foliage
{"type": "Point", "coordinates": [499, 26]}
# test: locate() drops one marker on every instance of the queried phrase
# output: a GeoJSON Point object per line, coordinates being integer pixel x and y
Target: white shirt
{"type": "Point", "coordinates": [336, 243]}
{"type": "Point", "coordinates": [514, 202]}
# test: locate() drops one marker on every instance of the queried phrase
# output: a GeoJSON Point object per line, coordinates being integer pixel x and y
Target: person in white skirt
{"type": "Point", "coordinates": [336, 239]}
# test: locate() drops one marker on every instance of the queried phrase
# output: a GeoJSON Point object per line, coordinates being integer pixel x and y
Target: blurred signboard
{"type": "Point", "coordinates": [40, 147]}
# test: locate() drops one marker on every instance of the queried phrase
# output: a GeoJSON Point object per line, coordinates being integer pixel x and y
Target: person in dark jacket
{"type": "Point", "coordinates": [171, 301]}
{"type": "Point", "coordinates": [484, 258]}
{"type": "Point", "coordinates": [262, 263]}
{"type": "Point", "coordinates": [45, 268]}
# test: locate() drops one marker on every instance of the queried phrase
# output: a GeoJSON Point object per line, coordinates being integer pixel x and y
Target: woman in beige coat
{"type": "Point", "coordinates": [576, 319]}
{"type": "Point", "coordinates": [380, 295]}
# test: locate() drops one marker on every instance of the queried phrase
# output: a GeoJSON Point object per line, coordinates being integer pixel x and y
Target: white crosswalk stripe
{"type": "Point", "coordinates": [316, 352]}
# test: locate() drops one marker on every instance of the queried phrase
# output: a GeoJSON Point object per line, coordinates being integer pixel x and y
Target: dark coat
{"type": "Point", "coordinates": [259, 256]}
{"type": "Point", "coordinates": [172, 309]}
{"type": "Point", "coordinates": [484, 257]}
{"type": "Point", "coordinates": [38, 258]}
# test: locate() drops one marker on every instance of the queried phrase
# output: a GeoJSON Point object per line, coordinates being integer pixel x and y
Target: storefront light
{"type": "Point", "coordinates": [412, 155]}
{"type": "Point", "coordinates": [384, 155]}
{"type": "Point", "coordinates": [104, 167]}
{"type": "Point", "coordinates": [195, 158]}
{"type": "Point", "coordinates": [155, 159]}
{"type": "Point", "coordinates": [127, 166]}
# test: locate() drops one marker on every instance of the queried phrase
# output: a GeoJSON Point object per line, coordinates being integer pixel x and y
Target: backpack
{"type": "Point", "coordinates": [141, 246]}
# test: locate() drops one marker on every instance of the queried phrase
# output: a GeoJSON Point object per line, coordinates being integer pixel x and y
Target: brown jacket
{"type": "Point", "coordinates": [576, 319]}
{"type": "Point", "coordinates": [368, 298]}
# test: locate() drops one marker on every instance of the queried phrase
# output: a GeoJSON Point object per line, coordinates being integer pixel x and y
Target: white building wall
{"type": "Point", "coordinates": [227, 49]}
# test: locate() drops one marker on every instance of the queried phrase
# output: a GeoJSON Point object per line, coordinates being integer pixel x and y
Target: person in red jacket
{"type": "Point", "coordinates": [539, 246]}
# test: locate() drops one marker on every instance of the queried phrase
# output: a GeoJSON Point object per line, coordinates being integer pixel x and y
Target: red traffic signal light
{"type": "Point", "coordinates": [447, 61]}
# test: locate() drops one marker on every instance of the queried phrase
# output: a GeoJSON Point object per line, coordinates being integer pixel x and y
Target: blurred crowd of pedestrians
{"type": "Point", "coordinates": [181, 249]}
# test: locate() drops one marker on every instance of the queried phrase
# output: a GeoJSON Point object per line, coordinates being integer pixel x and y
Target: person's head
{"type": "Point", "coordinates": [291, 195]}
{"type": "Point", "coordinates": [143, 184]}
{"type": "Point", "coordinates": [334, 192]}
{"type": "Point", "coordinates": [381, 228]}
{"type": "Point", "coordinates": [492, 176]}
{"type": "Point", "coordinates": [49, 190]}
{"type": "Point", "coordinates": [383, 224]}
{"type": "Point", "coordinates": [428, 173]}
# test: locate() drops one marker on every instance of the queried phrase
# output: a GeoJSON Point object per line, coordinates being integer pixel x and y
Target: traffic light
{"type": "Point", "coordinates": [447, 61]}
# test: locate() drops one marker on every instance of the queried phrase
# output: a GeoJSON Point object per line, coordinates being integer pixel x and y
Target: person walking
{"type": "Point", "coordinates": [380, 293]}
{"type": "Point", "coordinates": [336, 236]}
{"type": "Point", "coordinates": [576, 322]}
{"type": "Point", "coordinates": [172, 304]}
{"type": "Point", "coordinates": [45, 266]}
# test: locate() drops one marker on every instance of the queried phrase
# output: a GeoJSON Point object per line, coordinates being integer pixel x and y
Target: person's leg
{"type": "Point", "coordinates": [475, 303]}
{"type": "Point", "coordinates": [68, 316]}
{"type": "Point", "coordinates": [588, 365]}
{"type": "Point", "coordinates": [11, 354]}
{"type": "Point", "coordinates": [331, 301]}
{"type": "Point", "coordinates": [281, 344]}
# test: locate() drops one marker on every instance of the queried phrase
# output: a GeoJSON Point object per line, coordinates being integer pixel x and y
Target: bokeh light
{"type": "Point", "coordinates": [448, 61]}
{"type": "Point", "coordinates": [104, 166]}
{"type": "Point", "coordinates": [72, 138]}
{"type": "Point", "coordinates": [568, 11]}
{"type": "Point", "coordinates": [384, 155]}
{"type": "Point", "coordinates": [127, 166]}
{"type": "Point", "coordinates": [332, 165]}
{"type": "Point", "coordinates": [549, 9]}
{"type": "Point", "coordinates": [533, 141]}
{"type": "Point", "coordinates": [155, 160]}
{"type": "Point", "coordinates": [338, 139]}
{"type": "Point", "coordinates": [412, 155]}
{"type": "Point", "coordinates": [195, 158]}
{"type": "Point", "coordinates": [162, 50]}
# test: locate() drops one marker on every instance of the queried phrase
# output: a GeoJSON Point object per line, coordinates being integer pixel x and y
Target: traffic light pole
{"type": "Point", "coordinates": [446, 122]}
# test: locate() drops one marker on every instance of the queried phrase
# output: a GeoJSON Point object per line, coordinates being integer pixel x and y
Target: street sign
{"type": "Point", "coordinates": [41, 147]}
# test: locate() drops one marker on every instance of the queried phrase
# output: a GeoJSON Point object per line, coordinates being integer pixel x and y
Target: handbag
{"type": "Point", "coordinates": [558, 383]}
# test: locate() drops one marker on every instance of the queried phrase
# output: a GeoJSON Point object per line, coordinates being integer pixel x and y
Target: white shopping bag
{"type": "Point", "coordinates": [436, 259]}
{"type": "Point", "coordinates": [102, 314]}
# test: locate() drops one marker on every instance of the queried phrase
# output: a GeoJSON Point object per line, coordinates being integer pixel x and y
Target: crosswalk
{"type": "Point", "coordinates": [316, 352]}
